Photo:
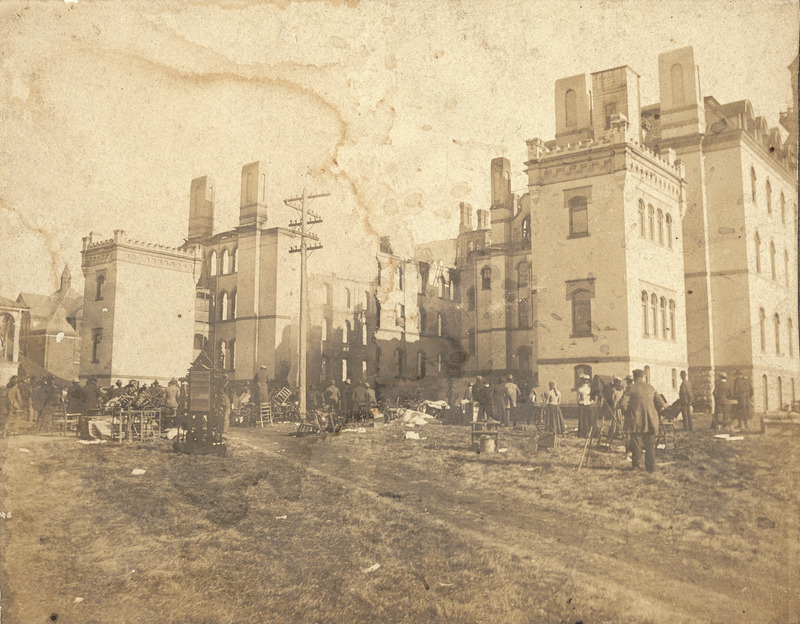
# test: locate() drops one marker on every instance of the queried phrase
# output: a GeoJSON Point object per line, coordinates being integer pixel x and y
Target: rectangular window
{"type": "Point", "coordinates": [97, 338]}
{"type": "Point", "coordinates": [581, 313]}
{"type": "Point", "coordinates": [610, 110]}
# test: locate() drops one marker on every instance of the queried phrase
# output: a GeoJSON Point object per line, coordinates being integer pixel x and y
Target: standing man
{"type": "Point", "coordinates": [643, 404]}
{"type": "Point", "coordinates": [480, 394]}
{"type": "Point", "coordinates": [497, 393]}
{"type": "Point", "coordinates": [743, 393]}
{"type": "Point", "coordinates": [722, 394]}
{"type": "Point", "coordinates": [686, 398]}
{"type": "Point", "coordinates": [584, 392]}
{"type": "Point", "coordinates": [332, 397]}
{"type": "Point", "coordinates": [512, 395]}
{"type": "Point", "coordinates": [617, 393]}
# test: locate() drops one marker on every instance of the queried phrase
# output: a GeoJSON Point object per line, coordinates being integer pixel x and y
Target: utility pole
{"type": "Point", "coordinates": [302, 229]}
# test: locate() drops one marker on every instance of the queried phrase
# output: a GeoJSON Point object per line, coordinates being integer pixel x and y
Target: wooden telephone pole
{"type": "Point", "coordinates": [302, 229]}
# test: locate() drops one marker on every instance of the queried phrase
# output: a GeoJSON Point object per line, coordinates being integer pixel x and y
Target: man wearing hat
{"type": "Point", "coordinates": [722, 394]}
{"type": "Point", "coordinates": [480, 394]}
{"type": "Point", "coordinates": [642, 403]}
{"type": "Point", "coordinates": [584, 392]}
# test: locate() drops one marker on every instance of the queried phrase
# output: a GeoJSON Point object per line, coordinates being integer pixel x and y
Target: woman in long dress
{"type": "Point", "coordinates": [554, 421]}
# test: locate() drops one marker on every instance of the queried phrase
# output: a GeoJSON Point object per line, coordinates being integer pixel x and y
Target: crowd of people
{"type": "Point", "coordinates": [38, 401]}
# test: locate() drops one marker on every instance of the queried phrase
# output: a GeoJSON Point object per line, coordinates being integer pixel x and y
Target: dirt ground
{"type": "Point", "coordinates": [370, 527]}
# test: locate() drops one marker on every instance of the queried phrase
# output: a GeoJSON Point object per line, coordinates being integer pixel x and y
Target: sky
{"type": "Point", "coordinates": [109, 109]}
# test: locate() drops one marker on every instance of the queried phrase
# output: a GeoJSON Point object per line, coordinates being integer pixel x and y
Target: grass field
{"type": "Point", "coordinates": [369, 527]}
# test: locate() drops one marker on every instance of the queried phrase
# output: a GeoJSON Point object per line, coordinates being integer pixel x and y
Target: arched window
{"type": "Point", "coordinates": [470, 298]}
{"type": "Point", "coordinates": [346, 332]}
{"type": "Point", "coordinates": [223, 306]}
{"type": "Point", "coordinates": [364, 334]}
{"type": "Point", "coordinates": [451, 293]}
{"type": "Point", "coordinates": [676, 81]}
{"type": "Point", "coordinates": [421, 365]}
{"type": "Point", "coordinates": [363, 369]}
{"type": "Point", "coordinates": [486, 278]}
{"type": "Point", "coordinates": [645, 315]}
{"type": "Point", "coordinates": [99, 282]}
{"type": "Point", "coordinates": [347, 298]}
{"type": "Point", "coordinates": [225, 267]}
{"type": "Point", "coordinates": [777, 320]}
{"type": "Point", "coordinates": [762, 319]}
{"type": "Point", "coordinates": [400, 315]}
{"type": "Point", "coordinates": [581, 313]}
{"type": "Point", "coordinates": [672, 319]}
{"type": "Point", "coordinates": [570, 108]}
{"type": "Point", "coordinates": [786, 267]}
{"type": "Point", "coordinates": [324, 330]}
{"type": "Point", "coordinates": [765, 390]}
{"type": "Point", "coordinates": [663, 306]}
{"type": "Point", "coordinates": [753, 183]}
{"type": "Point", "coordinates": [651, 217]}
{"type": "Point", "coordinates": [439, 325]}
{"type": "Point", "coordinates": [660, 227]}
{"type": "Point", "coordinates": [783, 209]}
{"type": "Point", "coordinates": [235, 267]}
{"type": "Point", "coordinates": [772, 259]}
{"type": "Point", "coordinates": [222, 355]}
{"type": "Point", "coordinates": [579, 371]}
{"type": "Point", "coordinates": [232, 355]}
{"type": "Point", "coordinates": [758, 253]}
{"type": "Point", "coordinates": [654, 313]}
{"type": "Point", "coordinates": [399, 277]}
{"type": "Point", "coordinates": [366, 301]}
{"type": "Point", "coordinates": [668, 219]}
{"type": "Point", "coordinates": [442, 287]}
{"type": "Point", "coordinates": [344, 369]}
{"type": "Point", "coordinates": [578, 217]}
{"type": "Point", "coordinates": [768, 187]}
{"type": "Point", "coordinates": [212, 263]}
{"type": "Point", "coordinates": [526, 228]}
{"type": "Point", "coordinates": [642, 226]}
{"type": "Point", "coordinates": [233, 310]}
{"type": "Point", "coordinates": [790, 330]}
{"type": "Point", "coordinates": [674, 379]}
{"type": "Point", "coordinates": [422, 315]}
{"type": "Point", "coordinates": [400, 358]}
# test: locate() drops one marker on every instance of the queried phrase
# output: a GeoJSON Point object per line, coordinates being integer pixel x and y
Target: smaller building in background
{"type": "Point", "coordinates": [50, 334]}
{"type": "Point", "coordinates": [10, 320]}
{"type": "Point", "coordinates": [139, 310]}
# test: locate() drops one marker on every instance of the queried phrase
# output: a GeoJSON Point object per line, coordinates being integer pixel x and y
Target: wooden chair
{"type": "Point", "coordinates": [264, 414]}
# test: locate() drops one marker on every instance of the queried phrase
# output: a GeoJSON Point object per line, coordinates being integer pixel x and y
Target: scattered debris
{"type": "Point", "coordinates": [24, 450]}
{"type": "Point", "coordinates": [5, 515]}
{"type": "Point", "coordinates": [390, 495]}
{"type": "Point", "coordinates": [412, 417]}
{"type": "Point", "coordinates": [137, 471]}
{"type": "Point", "coordinates": [662, 447]}
{"type": "Point", "coordinates": [502, 450]}
{"type": "Point", "coordinates": [411, 435]}
{"type": "Point", "coordinates": [359, 430]}
{"type": "Point", "coordinates": [371, 568]}
{"type": "Point", "coordinates": [94, 441]}
{"type": "Point", "coordinates": [728, 437]}
{"type": "Point", "coordinates": [283, 517]}
{"type": "Point", "coordinates": [530, 469]}
{"type": "Point", "coordinates": [78, 599]}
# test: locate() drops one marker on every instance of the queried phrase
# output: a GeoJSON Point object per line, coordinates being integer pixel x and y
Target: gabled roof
{"type": "Point", "coordinates": [58, 322]}
{"type": "Point", "coordinates": [45, 305]}
{"type": "Point", "coordinates": [9, 303]}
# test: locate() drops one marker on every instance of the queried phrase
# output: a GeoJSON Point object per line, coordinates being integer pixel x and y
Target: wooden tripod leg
{"type": "Point", "coordinates": [586, 447]}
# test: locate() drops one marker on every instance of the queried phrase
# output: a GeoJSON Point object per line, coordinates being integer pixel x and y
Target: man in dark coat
{"type": "Point", "coordinates": [481, 395]}
{"type": "Point", "coordinates": [686, 398]}
{"type": "Point", "coordinates": [360, 402]}
{"type": "Point", "coordinates": [75, 400]}
{"type": "Point", "coordinates": [722, 394]}
{"type": "Point", "coordinates": [642, 404]}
